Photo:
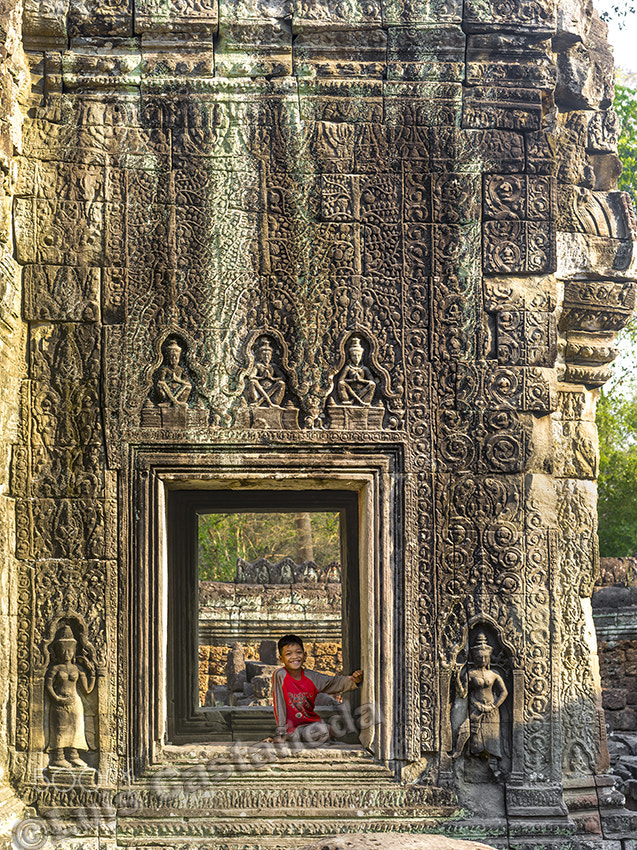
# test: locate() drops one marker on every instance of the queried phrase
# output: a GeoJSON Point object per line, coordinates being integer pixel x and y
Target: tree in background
{"type": "Point", "coordinates": [625, 105]}
{"type": "Point", "coordinates": [617, 12]}
{"type": "Point", "coordinates": [617, 407]}
{"type": "Point", "coordinates": [301, 536]}
{"type": "Point", "coordinates": [304, 538]}
{"type": "Point", "coordinates": [617, 500]}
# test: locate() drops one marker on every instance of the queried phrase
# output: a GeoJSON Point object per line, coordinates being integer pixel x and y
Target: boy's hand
{"type": "Point", "coordinates": [357, 676]}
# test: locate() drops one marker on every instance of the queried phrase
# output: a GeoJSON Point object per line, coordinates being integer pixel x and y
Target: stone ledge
{"type": "Point", "coordinates": [616, 624]}
{"type": "Point", "coordinates": [394, 842]}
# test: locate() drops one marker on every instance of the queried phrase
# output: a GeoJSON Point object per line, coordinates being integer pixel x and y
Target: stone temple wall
{"type": "Point", "coordinates": [325, 246]}
{"type": "Point", "coordinates": [615, 615]}
{"type": "Point", "coordinates": [14, 94]}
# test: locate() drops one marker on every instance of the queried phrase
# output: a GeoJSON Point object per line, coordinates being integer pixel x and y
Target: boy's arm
{"type": "Point", "coordinates": [278, 700]}
{"type": "Point", "coordinates": [331, 684]}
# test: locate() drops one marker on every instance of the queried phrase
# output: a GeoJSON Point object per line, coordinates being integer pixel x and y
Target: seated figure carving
{"type": "Point", "coordinates": [266, 382]}
{"type": "Point", "coordinates": [173, 384]}
{"type": "Point", "coordinates": [174, 400]}
{"type": "Point", "coordinates": [352, 405]}
{"type": "Point", "coordinates": [266, 385]}
{"type": "Point", "coordinates": [355, 384]}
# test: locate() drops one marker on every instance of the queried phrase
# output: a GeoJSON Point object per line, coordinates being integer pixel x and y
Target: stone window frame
{"type": "Point", "coordinates": [185, 722]}
{"type": "Point", "coordinates": [376, 473]}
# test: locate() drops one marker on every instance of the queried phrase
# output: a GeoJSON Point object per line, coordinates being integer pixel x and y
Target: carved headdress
{"type": "Point", "coordinates": [481, 642]}
{"type": "Point", "coordinates": [65, 636]}
{"type": "Point", "coordinates": [64, 640]}
{"type": "Point", "coordinates": [355, 344]}
{"type": "Point", "coordinates": [174, 346]}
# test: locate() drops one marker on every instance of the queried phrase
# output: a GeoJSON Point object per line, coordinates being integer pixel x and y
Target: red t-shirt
{"type": "Point", "coordinates": [299, 701]}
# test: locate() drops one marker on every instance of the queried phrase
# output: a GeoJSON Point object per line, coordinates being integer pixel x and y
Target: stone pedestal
{"type": "Point", "coordinates": [173, 417]}
{"type": "Point", "coordinates": [352, 418]}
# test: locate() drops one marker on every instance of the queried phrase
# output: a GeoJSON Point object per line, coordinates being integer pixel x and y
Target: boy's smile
{"type": "Point", "coordinates": [293, 658]}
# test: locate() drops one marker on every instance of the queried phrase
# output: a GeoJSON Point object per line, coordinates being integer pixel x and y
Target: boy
{"type": "Point", "coordinates": [294, 689]}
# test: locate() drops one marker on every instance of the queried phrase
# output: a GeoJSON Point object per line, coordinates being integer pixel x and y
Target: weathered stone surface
{"type": "Point", "coordinates": [394, 842]}
{"type": "Point", "coordinates": [268, 652]}
{"type": "Point", "coordinates": [236, 668]}
{"type": "Point", "coordinates": [15, 84]}
{"type": "Point", "coordinates": [371, 248]}
{"type": "Point", "coordinates": [585, 71]}
{"type": "Point", "coordinates": [574, 20]}
{"type": "Point", "coordinates": [614, 611]}
{"type": "Point", "coordinates": [620, 572]}
{"type": "Point", "coordinates": [250, 612]}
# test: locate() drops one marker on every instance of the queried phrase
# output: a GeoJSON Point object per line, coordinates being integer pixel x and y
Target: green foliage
{"type": "Point", "coordinates": [625, 105]}
{"type": "Point", "coordinates": [617, 427]}
{"type": "Point", "coordinates": [617, 501]}
{"type": "Point", "coordinates": [225, 537]}
{"type": "Point", "coordinates": [617, 13]}
{"type": "Point", "coordinates": [617, 407]}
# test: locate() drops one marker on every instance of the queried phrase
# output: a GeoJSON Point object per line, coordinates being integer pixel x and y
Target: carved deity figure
{"type": "Point", "coordinates": [487, 692]}
{"type": "Point", "coordinates": [65, 677]}
{"type": "Point", "coordinates": [173, 384]}
{"type": "Point", "coordinates": [266, 383]}
{"type": "Point", "coordinates": [356, 385]}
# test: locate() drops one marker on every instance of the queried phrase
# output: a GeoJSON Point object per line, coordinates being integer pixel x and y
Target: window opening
{"type": "Point", "coordinates": [245, 569]}
{"type": "Point", "coordinates": [263, 575]}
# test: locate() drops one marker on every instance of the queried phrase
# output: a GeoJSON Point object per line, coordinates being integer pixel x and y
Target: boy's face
{"type": "Point", "coordinates": [292, 657]}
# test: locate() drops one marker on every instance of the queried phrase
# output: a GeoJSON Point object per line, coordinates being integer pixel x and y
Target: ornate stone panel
{"type": "Point", "coordinates": [258, 239]}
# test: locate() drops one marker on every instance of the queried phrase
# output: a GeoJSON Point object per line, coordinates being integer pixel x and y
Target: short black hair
{"type": "Point", "coordinates": [288, 640]}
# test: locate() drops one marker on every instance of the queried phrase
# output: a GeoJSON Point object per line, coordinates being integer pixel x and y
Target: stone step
{"type": "Point", "coordinates": [321, 783]}
{"type": "Point", "coordinates": [271, 795]}
{"type": "Point", "coordinates": [350, 753]}
{"type": "Point", "coordinates": [233, 765]}
{"type": "Point", "coordinates": [325, 778]}
{"type": "Point", "coordinates": [312, 792]}
{"type": "Point", "coordinates": [265, 832]}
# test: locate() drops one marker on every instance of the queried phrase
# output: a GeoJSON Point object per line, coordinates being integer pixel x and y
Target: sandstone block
{"type": "Point", "coordinates": [268, 652]}
{"type": "Point", "coordinates": [393, 842]}
{"type": "Point", "coordinates": [614, 699]}
{"type": "Point", "coordinates": [573, 20]}
{"type": "Point", "coordinates": [262, 686]}
{"type": "Point", "coordinates": [624, 720]}
{"type": "Point", "coordinates": [235, 667]}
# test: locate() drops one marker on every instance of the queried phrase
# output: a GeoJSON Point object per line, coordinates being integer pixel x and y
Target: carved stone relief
{"type": "Point", "coordinates": [69, 678]}
{"type": "Point", "coordinates": [354, 403]}
{"type": "Point", "coordinates": [170, 403]}
{"type": "Point", "coordinates": [266, 387]}
{"type": "Point", "coordinates": [579, 567]}
{"type": "Point", "coordinates": [326, 229]}
{"type": "Point", "coordinates": [478, 708]}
